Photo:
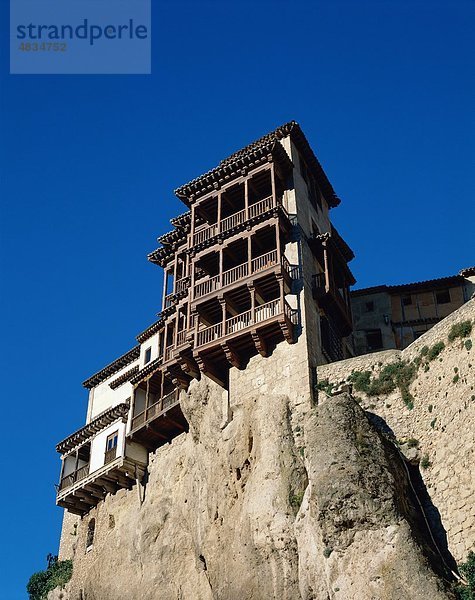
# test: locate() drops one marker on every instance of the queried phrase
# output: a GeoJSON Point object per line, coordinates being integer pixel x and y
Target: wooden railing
{"type": "Point", "coordinates": [254, 210]}
{"type": "Point", "coordinates": [168, 353]}
{"type": "Point", "coordinates": [168, 300]}
{"type": "Point", "coordinates": [209, 334]}
{"type": "Point", "coordinates": [155, 409]}
{"type": "Point", "coordinates": [264, 261]}
{"type": "Point", "coordinates": [260, 207]}
{"type": "Point", "coordinates": [181, 337]}
{"type": "Point", "coordinates": [232, 275]}
{"type": "Point", "coordinates": [70, 479]}
{"type": "Point", "coordinates": [207, 286]}
{"type": "Point", "coordinates": [110, 455]}
{"type": "Point", "coordinates": [182, 284]}
{"type": "Point", "coordinates": [205, 234]}
{"type": "Point", "coordinates": [238, 322]}
{"type": "Point", "coordinates": [246, 319]}
{"type": "Point", "coordinates": [233, 221]}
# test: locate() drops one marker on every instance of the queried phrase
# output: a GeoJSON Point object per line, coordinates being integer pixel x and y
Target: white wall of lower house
{"type": "Point", "coordinates": [151, 343]}
{"type": "Point", "coordinates": [103, 396]}
{"type": "Point", "coordinates": [98, 445]}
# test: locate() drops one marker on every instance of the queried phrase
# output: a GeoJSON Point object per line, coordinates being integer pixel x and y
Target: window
{"type": "Point", "coordinates": [369, 306]}
{"type": "Point", "coordinates": [112, 441]}
{"type": "Point", "coordinates": [406, 300]}
{"type": "Point", "coordinates": [91, 527]}
{"type": "Point", "coordinates": [442, 296]}
{"type": "Point", "coordinates": [374, 339]}
{"type": "Point", "coordinates": [148, 355]}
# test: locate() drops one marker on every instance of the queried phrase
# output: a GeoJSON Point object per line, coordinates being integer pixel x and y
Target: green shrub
{"type": "Point", "coordinates": [430, 407]}
{"type": "Point", "coordinates": [461, 330]}
{"type": "Point", "coordinates": [425, 462]}
{"type": "Point", "coordinates": [424, 350]}
{"type": "Point", "coordinates": [325, 386]}
{"type": "Point", "coordinates": [432, 423]}
{"type": "Point", "coordinates": [57, 574]}
{"type": "Point", "coordinates": [468, 344]}
{"type": "Point", "coordinates": [360, 380]}
{"type": "Point", "coordinates": [435, 350]}
{"type": "Point", "coordinates": [296, 500]}
{"type": "Point", "coordinates": [456, 378]}
{"type": "Point", "coordinates": [467, 592]}
{"type": "Point", "coordinates": [412, 443]}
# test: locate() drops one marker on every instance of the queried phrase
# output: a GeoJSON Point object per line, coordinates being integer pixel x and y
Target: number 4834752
{"type": "Point", "coordinates": [42, 47]}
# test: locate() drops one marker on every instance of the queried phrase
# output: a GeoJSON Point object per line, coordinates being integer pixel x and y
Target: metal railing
{"type": "Point", "coordinates": [110, 455]}
{"type": "Point", "coordinates": [70, 479]}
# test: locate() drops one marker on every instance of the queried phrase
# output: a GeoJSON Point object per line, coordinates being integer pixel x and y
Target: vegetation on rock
{"type": "Point", "coordinates": [467, 592]}
{"type": "Point", "coordinates": [57, 574]}
{"type": "Point", "coordinates": [460, 330]}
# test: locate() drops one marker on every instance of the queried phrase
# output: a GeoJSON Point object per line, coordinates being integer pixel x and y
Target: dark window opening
{"type": "Point", "coordinates": [374, 339]}
{"type": "Point", "coordinates": [148, 355]}
{"type": "Point", "coordinates": [370, 306]}
{"type": "Point", "coordinates": [442, 296]}
{"type": "Point", "coordinates": [406, 300]}
{"type": "Point", "coordinates": [90, 534]}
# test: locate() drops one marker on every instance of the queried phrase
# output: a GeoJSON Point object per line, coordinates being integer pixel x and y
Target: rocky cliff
{"type": "Point", "coordinates": [285, 500]}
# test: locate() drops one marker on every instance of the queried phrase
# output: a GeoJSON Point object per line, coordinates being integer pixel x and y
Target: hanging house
{"type": "Point", "coordinates": [253, 262]}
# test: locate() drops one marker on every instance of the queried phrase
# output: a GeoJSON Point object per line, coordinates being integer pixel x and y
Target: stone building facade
{"type": "Point", "coordinates": [393, 316]}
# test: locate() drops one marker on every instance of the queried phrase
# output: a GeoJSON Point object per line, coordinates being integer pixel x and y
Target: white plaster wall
{"type": "Point", "coordinates": [98, 445]}
{"type": "Point", "coordinates": [152, 343]}
{"type": "Point", "coordinates": [103, 397]}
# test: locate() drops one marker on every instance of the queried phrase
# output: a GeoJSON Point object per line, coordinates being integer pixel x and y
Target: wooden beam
{"type": "Point", "coordinates": [209, 370]}
{"type": "Point", "coordinates": [231, 356]}
{"type": "Point", "coordinates": [259, 342]}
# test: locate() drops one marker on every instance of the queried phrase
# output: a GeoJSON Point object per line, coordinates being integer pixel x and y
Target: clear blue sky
{"type": "Point", "coordinates": [383, 90]}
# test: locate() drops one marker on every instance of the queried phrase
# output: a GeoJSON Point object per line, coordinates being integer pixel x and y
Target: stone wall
{"type": "Point", "coordinates": [442, 420]}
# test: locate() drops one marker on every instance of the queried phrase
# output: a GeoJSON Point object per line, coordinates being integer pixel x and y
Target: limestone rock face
{"type": "Point", "coordinates": [360, 534]}
{"type": "Point", "coordinates": [262, 505]}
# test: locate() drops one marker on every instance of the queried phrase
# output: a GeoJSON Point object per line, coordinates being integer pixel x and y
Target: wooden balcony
{"type": "Point", "coordinates": [160, 422]}
{"type": "Point", "coordinates": [80, 491]}
{"type": "Point", "coordinates": [238, 325]}
{"type": "Point", "coordinates": [242, 272]}
{"type": "Point", "coordinates": [233, 221]}
{"type": "Point", "coordinates": [72, 478]}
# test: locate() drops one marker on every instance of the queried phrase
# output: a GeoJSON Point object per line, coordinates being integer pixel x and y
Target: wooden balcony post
{"type": "Point", "coordinates": [147, 396]}
{"type": "Point", "coordinates": [249, 255]}
{"type": "Point", "coordinates": [192, 232]}
{"type": "Point", "coordinates": [161, 390]}
{"type": "Point", "coordinates": [252, 291]}
{"type": "Point", "coordinates": [165, 280]}
{"type": "Point", "coordinates": [272, 178]}
{"type": "Point", "coordinates": [76, 464]}
{"type": "Point", "coordinates": [280, 279]}
{"type": "Point", "coordinates": [63, 460]}
{"type": "Point", "coordinates": [195, 315]}
{"type": "Point", "coordinates": [277, 240]}
{"type": "Point", "coordinates": [246, 199]}
{"type": "Point", "coordinates": [221, 266]}
{"type": "Point", "coordinates": [222, 301]}
{"type": "Point", "coordinates": [175, 263]}
{"type": "Point", "coordinates": [219, 212]}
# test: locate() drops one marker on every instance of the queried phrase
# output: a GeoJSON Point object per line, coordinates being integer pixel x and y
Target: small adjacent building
{"type": "Point", "coordinates": [253, 262]}
{"type": "Point", "coordinates": [393, 316]}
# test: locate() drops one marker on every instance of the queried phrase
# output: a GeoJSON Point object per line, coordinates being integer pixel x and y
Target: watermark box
{"type": "Point", "coordinates": [80, 37]}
